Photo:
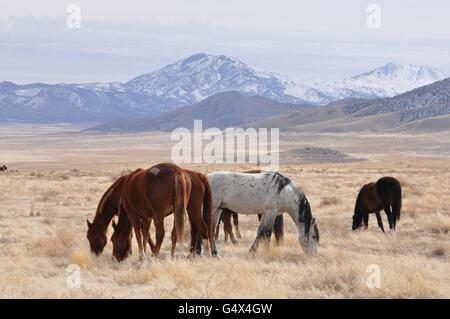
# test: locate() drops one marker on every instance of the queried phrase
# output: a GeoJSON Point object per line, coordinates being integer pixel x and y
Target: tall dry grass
{"type": "Point", "coordinates": [43, 231]}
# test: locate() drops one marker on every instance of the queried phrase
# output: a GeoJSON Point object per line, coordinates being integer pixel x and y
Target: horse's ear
{"type": "Point", "coordinates": [114, 225]}
{"type": "Point", "coordinates": [88, 223]}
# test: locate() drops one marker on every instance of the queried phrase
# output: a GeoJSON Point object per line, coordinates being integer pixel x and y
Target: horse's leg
{"type": "Point", "coordinates": [145, 226]}
{"type": "Point", "coordinates": [379, 221]}
{"type": "Point", "coordinates": [225, 228]}
{"type": "Point", "coordinates": [278, 229]}
{"type": "Point", "coordinates": [149, 239]}
{"type": "Point", "coordinates": [264, 230]}
{"type": "Point", "coordinates": [160, 232]}
{"type": "Point", "coordinates": [194, 246]}
{"type": "Point", "coordinates": [174, 242]}
{"type": "Point", "coordinates": [236, 225]}
{"type": "Point", "coordinates": [387, 210]}
{"type": "Point", "coordinates": [136, 222]}
{"type": "Point", "coordinates": [215, 220]}
{"type": "Point", "coordinates": [228, 228]}
{"type": "Point", "coordinates": [366, 220]}
{"type": "Point", "coordinates": [216, 236]}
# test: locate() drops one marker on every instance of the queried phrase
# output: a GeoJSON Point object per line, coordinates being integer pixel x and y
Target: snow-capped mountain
{"type": "Point", "coordinates": [195, 78]}
{"type": "Point", "coordinates": [386, 81]}
{"type": "Point", "coordinates": [189, 81]}
{"type": "Point", "coordinates": [43, 103]}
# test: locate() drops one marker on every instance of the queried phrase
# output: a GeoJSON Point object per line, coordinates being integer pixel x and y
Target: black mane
{"type": "Point", "coordinates": [304, 214]}
{"type": "Point", "coordinates": [279, 180]}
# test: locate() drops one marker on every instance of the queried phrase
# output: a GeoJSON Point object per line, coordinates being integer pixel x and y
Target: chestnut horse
{"type": "Point", "coordinates": [201, 223]}
{"type": "Point", "coordinates": [155, 193]}
{"type": "Point", "coordinates": [385, 194]}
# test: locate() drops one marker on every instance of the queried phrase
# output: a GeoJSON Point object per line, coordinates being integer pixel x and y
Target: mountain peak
{"type": "Point", "coordinates": [413, 71]}
{"type": "Point", "coordinates": [201, 75]}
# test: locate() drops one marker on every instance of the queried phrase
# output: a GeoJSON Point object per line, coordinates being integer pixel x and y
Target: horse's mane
{"type": "Point", "coordinates": [106, 195]}
{"type": "Point", "coordinates": [304, 213]}
{"type": "Point", "coordinates": [279, 180]}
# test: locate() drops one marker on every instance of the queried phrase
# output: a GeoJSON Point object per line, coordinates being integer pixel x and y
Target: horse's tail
{"type": "Point", "coordinates": [207, 206]}
{"type": "Point", "coordinates": [180, 204]}
{"type": "Point", "coordinates": [278, 228]}
{"type": "Point", "coordinates": [397, 200]}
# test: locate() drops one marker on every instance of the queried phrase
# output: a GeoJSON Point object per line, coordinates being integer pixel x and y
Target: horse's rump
{"type": "Point", "coordinates": [389, 191]}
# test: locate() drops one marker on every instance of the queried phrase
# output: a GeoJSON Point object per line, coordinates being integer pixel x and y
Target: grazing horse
{"type": "Point", "coordinates": [269, 192]}
{"type": "Point", "coordinates": [385, 194]}
{"type": "Point", "coordinates": [199, 213]}
{"type": "Point", "coordinates": [154, 194]}
{"type": "Point", "coordinates": [227, 214]}
{"type": "Point", "coordinates": [107, 208]}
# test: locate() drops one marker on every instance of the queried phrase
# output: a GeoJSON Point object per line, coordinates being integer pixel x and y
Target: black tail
{"type": "Point", "coordinates": [235, 219]}
{"type": "Point", "coordinates": [397, 201]}
{"type": "Point", "coordinates": [390, 193]}
{"type": "Point", "coordinates": [278, 229]}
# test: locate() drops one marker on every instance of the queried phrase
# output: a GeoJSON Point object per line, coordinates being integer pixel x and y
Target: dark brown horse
{"type": "Point", "coordinates": [385, 194]}
{"type": "Point", "coordinates": [200, 221]}
{"type": "Point", "coordinates": [226, 215]}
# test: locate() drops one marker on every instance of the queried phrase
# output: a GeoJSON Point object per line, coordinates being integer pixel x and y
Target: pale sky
{"type": "Point", "coordinates": [122, 39]}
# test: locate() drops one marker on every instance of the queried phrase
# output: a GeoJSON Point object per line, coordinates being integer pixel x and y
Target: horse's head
{"type": "Point", "coordinates": [310, 243]}
{"type": "Point", "coordinates": [121, 243]}
{"type": "Point", "coordinates": [97, 238]}
{"type": "Point", "coordinates": [309, 239]}
{"type": "Point", "coordinates": [357, 220]}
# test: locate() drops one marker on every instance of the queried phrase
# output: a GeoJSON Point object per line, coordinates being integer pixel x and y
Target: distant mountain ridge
{"type": "Point", "coordinates": [189, 81]}
{"type": "Point", "coordinates": [420, 109]}
{"type": "Point", "coordinates": [429, 104]}
{"type": "Point", "coordinates": [222, 110]}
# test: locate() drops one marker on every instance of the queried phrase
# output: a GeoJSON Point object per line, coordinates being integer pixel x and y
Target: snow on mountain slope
{"type": "Point", "coordinates": [201, 75]}
{"type": "Point", "coordinates": [386, 81]}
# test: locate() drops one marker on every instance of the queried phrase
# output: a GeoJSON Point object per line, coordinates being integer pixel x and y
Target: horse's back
{"type": "Point", "coordinates": [367, 199]}
{"type": "Point", "coordinates": [142, 187]}
{"type": "Point", "coordinates": [246, 193]}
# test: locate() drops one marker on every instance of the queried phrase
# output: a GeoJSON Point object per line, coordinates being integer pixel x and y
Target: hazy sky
{"type": "Point", "coordinates": [121, 39]}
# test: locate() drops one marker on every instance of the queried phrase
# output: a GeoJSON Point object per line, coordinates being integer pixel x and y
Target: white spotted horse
{"type": "Point", "coordinates": [270, 193]}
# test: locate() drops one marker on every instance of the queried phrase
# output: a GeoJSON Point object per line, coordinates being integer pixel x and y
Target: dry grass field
{"type": "Point", "coordinates": [56, 178]}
